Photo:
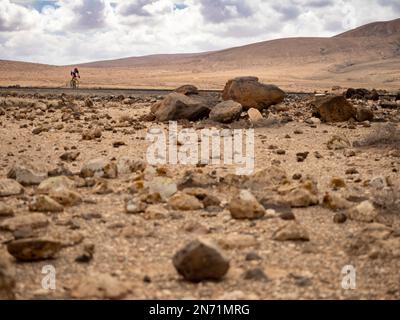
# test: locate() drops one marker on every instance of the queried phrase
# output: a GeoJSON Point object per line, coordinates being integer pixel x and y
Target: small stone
{"type": "Point", "coordinates": [27, 175]}
{"type": "Point", "coordinates": [66, 197]}
{"type": "Point", "coordinates": [339, 218]}
{"type": "Point", "coordinates": [87, 253]}
{"type": "Point", "coordinates": [117, 144]}
{"type": "Point", "coordinates": [255, 115]}
{"type": "Point", "coordinates": [291, 231]}
{"type": "Point", "coordinates": [92, 134]}
{"type": "Point", "coordinates": [363, 212]}
{"type": "Point", "coordinates": [9, 187]}
{"type": "Point", "coordinates": [70, 156]}
{"type": "Point", "coordinates": [164, 186]}
{"type": "Point", "coordinates": [5, 210]}
{"type": "Point", "coordinates": [135, 206]}
{"type": "Point", "coordinates": [288, 215]}
{"type": "Point", "coordinates": [34, 249]}
{"type": "Point", "coordinates": [300, 198]}
{"type": "Point", "coordinates": [185, 202]}
{"type": "Point", "coordinates": [155, 212]}
{"type": "Point", "coordinates": [34, 221]}
{"type": "Point", "coordinates": [7, 277]}
{"type": "Point", "coordinates": [352, 171]}
{"type": "Point", "coordinates": [45, 204]}
{"type": "Point", "coordinates": [338, 143]}
{"type": "Point", "coordinates": [99, 286]}
{"type": "Point", "coordinates": [378, 183]}
{"type": "Point", "coordinates": [337, 183]}
{"type": "Point", "coordinates": [301, 156]}
{"type": "Point", "coordinates": [99, 168]}
{"type": "Point", "coordinates": [246, 206]}
{"type": "Point", "coordinates": [200, 260]}
{"type": "Point", "coordinates": [335, 202]}
{"type": "Point", "coordinates": [237, 241]}
{"type": "Point", "coordinates": [255, 274]}
{"type": "Point", "coordinates": [55, 183]}
{"type": "Point", "coordinates": [252, 256]}
{"type": "Point", "coordinates": [297, 176]}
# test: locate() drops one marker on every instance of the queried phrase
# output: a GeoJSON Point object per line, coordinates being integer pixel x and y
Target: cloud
{"type": "Point", "coordinates": [73, 31]}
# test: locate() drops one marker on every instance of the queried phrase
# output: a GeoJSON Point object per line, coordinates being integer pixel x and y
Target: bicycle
{"type": "Point", "coordinates": [74, 83]}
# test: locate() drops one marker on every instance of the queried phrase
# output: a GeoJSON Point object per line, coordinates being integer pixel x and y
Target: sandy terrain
{"type": "Point", "coordinates": [136, 250]}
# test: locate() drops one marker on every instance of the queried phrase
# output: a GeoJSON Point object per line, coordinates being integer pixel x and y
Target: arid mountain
{"type": "Point", "coordinates": [367, 56]}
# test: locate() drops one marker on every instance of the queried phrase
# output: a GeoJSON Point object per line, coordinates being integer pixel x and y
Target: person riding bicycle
{"type": "Point", "coordinates": [75, 74]}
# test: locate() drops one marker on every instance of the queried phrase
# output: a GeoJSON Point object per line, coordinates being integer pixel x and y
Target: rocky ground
{"type": "Point", "coordinates": [77, 193]}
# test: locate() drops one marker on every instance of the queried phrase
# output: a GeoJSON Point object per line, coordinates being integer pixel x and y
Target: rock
{"type": "Point", "coordinates": [125, 165]}
{"type": "Point", "coordinates": [177, 106]}
{"type": "Point", "coordinates": [364, 114]}
{"type": "Point", "coordinates": [135, 206]}
{"type": "Point", "coordinates": [45, 204]}
{"type": "Point", "coordinates": [255, 115]}
{"type": "Point", "coordinates": [9, 187]}
{"type": "Point", "coordinates": [86, 254]}
{"type": "Point", "coordinates": [255, 274]}
{"type": "Point", "coordinates": [292, 231]}
{"type": "Point", "coordinates": [335, 202]}
{"type": "Point", "coordinates": [99, 286]}
{"type": "Point", "coordinates": [196, 227]}
{"type": "Point", "coordinates": [226, 111]}
{"type": "Point", "coordinates": [5, 210]}
{"type": "Point", "coordinates": [339, 218]}
{"type": "Point", "coordinates": [337, 183]}
{"type": "Point", "coordinates": [99, 168]}
{"type": "Point", "coordinates": [237, 241]}
{"type": "Point", "coordinates": [34, 221]}
{"type": "Point", "coordinates": [7, 277]}
{"type": "Point", "coordinates": [164, 186]}
{"type": "Point", "coordinates": [313, 121]}
{"type": "Point", "coordinates": [155, 212]}
{"type": "Point", "coordinates": [70, 156]}
{"type": "Point", "coordinates": [92, 134]}
{"type": "Point", "coordinates": [200, 260]}
{"type": "Point", "coordinates": [65, 196]}
{"type": "Point", "coordinates": [300, 198]}
{"type": "Point", "coordinates": [333, 109]}
{"type": "Point", "coordinates": [378, 183]}
{"type": "Point", "coordinates": [363, 212]}
{"type": "Point", "coordinates": [204, 196]}
{"type": "Point", "coordinates": [252, 94]}
{"type": "Point", "coordinates": [27, 175]}
{"type": "Point", "coordinates": [196, 180]}
{"type": "Point", "coordinates": [252, 256]}
{"type": "Point", "coordinates": [185, 202]}
{"type": "Point", "coordinates": [34, 249]}
{"type": "Point", "coordinates": [246, 206]}
{"type": "Point", "coordinates": [55, 183]}
{"type": "Point", "coordinates": [302, 156]}
{"type": "Point", "coordinates": [338, 143]}
{"type": "Point", "coordinates": [187, 90]}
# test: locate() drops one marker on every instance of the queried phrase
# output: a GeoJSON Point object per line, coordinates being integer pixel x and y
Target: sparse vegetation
{"type": "Point", "coordinates": [387, 134]}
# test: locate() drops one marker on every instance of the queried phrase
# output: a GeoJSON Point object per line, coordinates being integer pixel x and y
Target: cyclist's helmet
{"type": "Point", "coordinates": [76, 69]}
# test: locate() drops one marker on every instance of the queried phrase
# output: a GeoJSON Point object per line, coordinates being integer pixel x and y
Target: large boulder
{"type": "Point", "coordinates": [334, 109]}
{"type": "Point", "coordinates": [252, 94]}
{"type": "Point", "coordinates": [177, 106]}
{"type": "Point", "coordinates": [226, 111]}
{"type": "Point", "coordinates": [187, 89]}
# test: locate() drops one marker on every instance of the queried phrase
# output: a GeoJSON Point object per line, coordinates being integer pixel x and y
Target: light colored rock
{"type": "Point", "coordinates": [255, 116]}
{"type": "Point", "coordinates": [34, 249]}
{"type": "Point", "coordinates": [5, 210]}
{"type": "Point", "coordinates": [44, 203]}
{"type": "Point", "coordinates": [300, 198]}
{"type": "Point", "coordinates": [9, 187]}
{"type": "Point", "coordinates": [237, 241]}
{"type": "Point", "coordinates": [292, 231]}
{"type": "Point", "coordinates": [65, 197]}
{"type": "Point", "coordinates": [54, 183]}
{"type": "Point", "coordinates": [135, 206]}
{"type": "Point", "coordinates": [334, 109]}
{"type": "Point", "coordinates": [99, 286]}
{"type": "Point", "coordinates": [164, 186]}
{"type": "Point", "coordinates": [201, 260]}
{"type": "Point", "coordinates": [99, 168]}
{"type": "Point", "coordinates": [27, 175]}
{"type": "Point", "coordinates": [33, 220]}
{"type": "Point", "coordinates": [184, 202]}
{"type": "Point", "coordinates": [246, 206]}
{"type": "Point", "coordinates": [363, 212]}
{"type": "Point", "coordinates": [155, 212]}
{"type": "Point", "coordinates": [225, 112]}
{"type": "Point", "coordinates": [378, 183]}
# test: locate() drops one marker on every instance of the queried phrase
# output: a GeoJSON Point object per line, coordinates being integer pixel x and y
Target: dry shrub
{"type": "Point", "coordinates": [387, 134]}
{"type": "Point", "coordinates": [388, 199]}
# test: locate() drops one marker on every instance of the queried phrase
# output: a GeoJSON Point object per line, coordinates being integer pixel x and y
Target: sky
{"type": "Point", "coordinates": [74, 31]}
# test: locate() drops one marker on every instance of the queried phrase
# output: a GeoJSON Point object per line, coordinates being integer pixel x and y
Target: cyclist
{"type": "Point", "coordinates": [75, 74]}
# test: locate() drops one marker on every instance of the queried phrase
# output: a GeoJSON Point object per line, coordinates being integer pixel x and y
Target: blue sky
{"type": "Point", "coordinates": [72, 31]}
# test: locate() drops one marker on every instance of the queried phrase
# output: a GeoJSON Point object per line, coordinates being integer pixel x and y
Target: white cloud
{"type": "Point", "coordinates": [72, 31]}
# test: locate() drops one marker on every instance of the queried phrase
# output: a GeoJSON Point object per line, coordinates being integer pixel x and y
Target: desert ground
{"type": "Point", "coordinates": [110, 235]}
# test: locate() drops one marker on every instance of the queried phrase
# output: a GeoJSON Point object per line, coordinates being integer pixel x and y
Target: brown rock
{"type": "Point", "coordinates": [34, 221]}
{"type": "Point", "coordinates": [45, 204]}
{"type": "Point", "coordinates": [200, 260]}
{"type": "Point", "coordinates": [99, 168]}
{"type": "Point", "coordinates": [252, 94]}
{"type": "Point", "coordinates": [185, 202]}
{"type": "Point", "coordinates": [5, 210]}
{"type": "Point", "coordinates": [187, 89]}
{"type": "Point", "coordinates": [246, 206]}
{"type": "Point", "coordinates": [291, 231]}
{"type": "Point", "coordinates": [7, 277]}
{"type": "Point", "coordinates": [225, 112]}
{"type": "Point", "coordinates": [9, 187]}
{"type": "Point", "coordinates": [34, 249]}
{"type": "Point", "coordinates": [334, 109]}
